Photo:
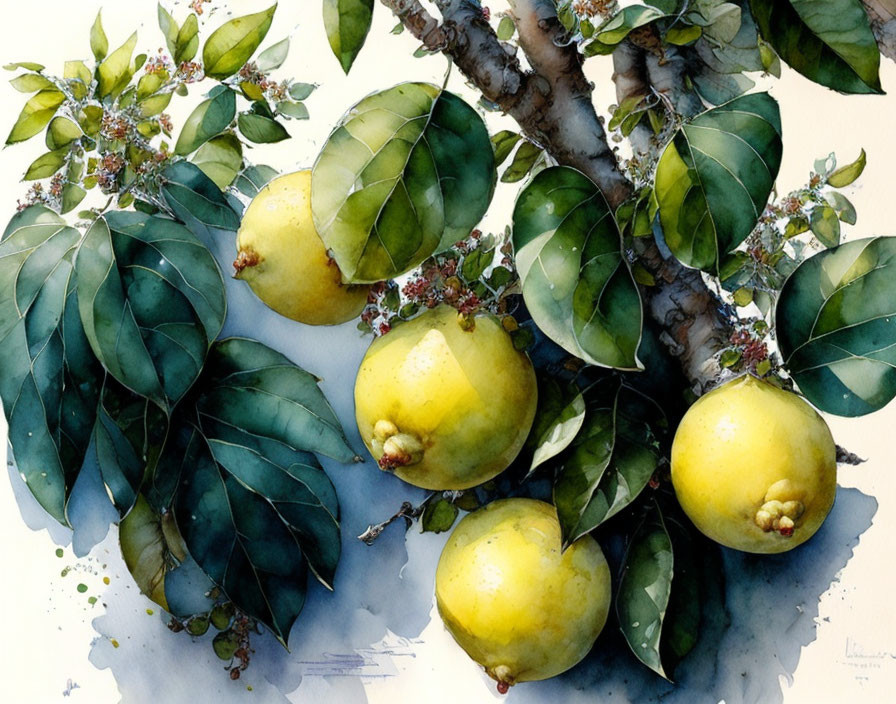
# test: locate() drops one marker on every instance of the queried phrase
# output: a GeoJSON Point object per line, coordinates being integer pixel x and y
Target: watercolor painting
{"type": "Point", "coordinates": [366, 350]}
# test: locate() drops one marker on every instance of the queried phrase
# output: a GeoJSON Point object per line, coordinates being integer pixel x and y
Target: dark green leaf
{"type": "Point", "coordinates": [347, 23]}
{"type": "Point", "coordinates": [438, 515]}
{"type": "Point", "coordinates": [836, 326]}
{"type": "Point", "coordinates": [522, 163]}
{"type": "Point", "coordinates": [825, 225]}
{"type": "Point", "coordinates": [260, 391]}
{"type": "Point", "coordinates": [221, 158]}
{"type": "Point", "coordinates": [848, 174]}
{"type": "Point", "coordinates": [46, 165]}
{"type": "Point", "coordinates": [114, 74]}
{"type": "Point", "coordinates": [503, 143]}
{"type": "Point", "coordinates": [254, 178]}
{"type": "Point", "coordinates": [36, 114]}
{"type": "Point", "coordinates": [99, 44]}
{"type": "Point", "coordinates": [232, 44]}
{"type": "Point", "coordinates": [714, 178]}
{"type": "Point", "coordinates": [72, 195]}
{"type": "Point", "coordinates": [50, 378]}
{"type": "Point", "coordinates": [209, 118]}
{"type": "Point", "coordinates": [406, 172]}
{"type": "Point", "coordinates": [261, 129]}
{"type": "Point", "coordinates": [576, 282]}
{"type": "Point", "coordinates": [644, 591]}
{"type": "Point", "coordinates": [152, 301]}
{"type": "Point", "coordinates": [558, 419]}
{"type": "Point", "coordinates": [828, 42]}
{"type": "Point", "coordinates": [196, 200]}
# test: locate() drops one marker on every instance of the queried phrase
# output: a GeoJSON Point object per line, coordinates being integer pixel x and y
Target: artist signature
{"type": "Point", "coordinates": [856, 650]}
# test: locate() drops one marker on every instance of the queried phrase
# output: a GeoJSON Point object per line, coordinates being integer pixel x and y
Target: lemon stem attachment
{"type": "Point", "coordinates": [396, 449]}
{"type": "Point", "coordinates": [503, 675]}
{"type": "Point", "coordinates": [245, 259]}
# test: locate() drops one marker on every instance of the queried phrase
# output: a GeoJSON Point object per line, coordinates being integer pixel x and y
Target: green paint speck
{"type": "Point", "coordinates": [149, 611]}
{"type": "Point", "coordinates": [65, 571]}
{"type": "Point", "coordinates": [82, 588]}
{"type": "Point", "coordinates": [249, 687]}
{"type": "Point", "coordinates": [59, 552]}
{"type": "Point", "coordinates": [91, 600]}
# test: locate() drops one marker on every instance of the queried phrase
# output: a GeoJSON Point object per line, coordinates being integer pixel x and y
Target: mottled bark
{"type": "Point", "coordinates": [883, 24]}
{"type": "Point", "coordinates": [630, 78]}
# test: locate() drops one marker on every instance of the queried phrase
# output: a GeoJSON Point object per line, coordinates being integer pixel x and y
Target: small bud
{"type": "Point", "coordinates": [384, 429]}
{"type": "Point", "coordinates": [786, 526]}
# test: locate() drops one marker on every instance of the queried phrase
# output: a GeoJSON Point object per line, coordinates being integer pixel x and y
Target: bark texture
{"type": "Point", "coordinates": [883, 24]}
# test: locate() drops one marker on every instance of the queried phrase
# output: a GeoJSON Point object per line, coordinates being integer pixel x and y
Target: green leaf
{"type": "Point", "coordinates": [506, 28]}
{"type": "Point", "coordinates": [90, 118]}
{"type": "Point", "coordinates": [845, 210]}
{"type": "Point", "coordinates": [187, 43]}
{"type": "Point", "coordinates": [254, 388]}
{"type": "Point", "coordinates": [438, 516]}
{"type": "Point", "coordinates": [233, 43]}
{"type": "Point", "coordinates": [261, 128]}
{"type": "Point", "coordinates": [254, 178]}
{"type": "Point", "coordinates": [149, 84]}
{"type": "Point", "coordinates": [31, 83]}
{"type": "Point", "coordinates": [127, 438]}
{"type": "Point", "coordinates": [503, 143]}
{"type": "Point", "coordinates": [154, 104]}
{"type": "Point", "coordinates": [683, 34]}
{"type": "Point", "coordinates": [714, 178]}
{"type": "Point", "coordinates": [828, 42]}
{"type": "Point", "coordinates": [114, 74]}
{"type": "Point", "coordinates": [72, 195]}
{"type": "Point", "coordinates": [209, 118]}
{"type": "Point", "coordinates": [169, 28]}
{"type": "Point", "coordinates": [610, 462]}
{"type": "Point", "coordinates": [644, 591]}
{"type": "Point", "coordinates": [825, 225]}
{"type": "Point", "coordinates": [151, 547]}
{"type": "Point", "coordinates": [99, 44]}
{"type": "Point", "coordinates": [38, 111]}
{"type": "Point", "coordinates": [347, 23]}
{"type": "Point", "coordinates": [62, 132]}
{"type": "Point", "coordinates": [49, 379]}
{"type": "Point", "coordinates": [407, 172]}
{"type": "Point", "coordinates": [221, 159]}
{"type": "Point", "coordinates": [301, 91]}
{"type": "Point", "coordinates": [196, 200]}
{"type": "Point", "coordinates": [522, 163]}
{"type": "Point", "coordinates": [46, 165]}
{"type": "Point", "coordinates": [273, 57]}
{"type": "Point", "coordinates": [576, 282]}
{"type": "Point", "coordinates": [848, 174]}
{"type": "Point", "coordinates": [836, 326]}
{"type": "Point", "coordinates": [297, 111]}
{"type": "Point", "coordinates": [558, 419]}
{"type": "Point", "coordinates": [152, 301]}
{"type": "Point", "coordinates": [618, 27]}
{"type": "Point", "coordinates": [27, 65]}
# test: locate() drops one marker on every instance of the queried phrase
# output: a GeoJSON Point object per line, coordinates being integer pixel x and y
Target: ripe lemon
{"type": "Point", "coordinates": [516, 604]}
{"type": "Point", "coordinates": [754, 467]}
{"type": "Point", "coordinates": [284, 260]}
{"type": "Point", "coordinates": [445, 401]}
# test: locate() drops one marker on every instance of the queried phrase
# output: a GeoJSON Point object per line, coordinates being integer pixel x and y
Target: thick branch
{"type": "Point", "coordinates": [883, 23]}
{"type": "Point", "coordinates": [630, 77]}
{"type": "Point", "coordinates": [553, 108]}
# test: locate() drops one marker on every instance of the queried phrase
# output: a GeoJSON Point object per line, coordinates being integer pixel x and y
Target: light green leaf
{"type": "Point", "coordinates": [347, 23]}
{"type": "Point", "coordinates": [619, 26]}
{"type": "Point", "coordinates": [836, 327]}
{"type": "Point", "coordinates": [714, 178]}
{"type": "Point", "coordinates": [220, 159]}
{"type": "Point", "coordinates": [273, 57]}
{"type": "Point", "coordinates": [99, 44]}
{"type": "Point", "coordinates": [149, 84]}
{"type": "Point", "coordinates": [560, 414]}
{"type": "Point", "coordinates": [522, 163]}
{"type": "Point", "coordinates": [36, 114]}
{"type": "Point", "coordinates": [27, 65]}
{"type": "Point", "coordinates": [683, 34]}
{"type": "Point", "coordinates": [301, 91]}
{"type": "Point", "coordinates": [506, 28]}
{"type": "Point", "coordinates": [114, 74]}
{"type": "Point", "coordinates": [254, 178]}
{"type": "Point", "coordinates": [72, 195]}
{"type": "Point", "coordinates": [62, 132]}
{"type": "Point", "coordinates": [503, 143]}
{"type": "Point", "coordinates": [297, 111]}
{"type": "Point", "coordinates": [187, 43]}
{"type": "Point", "coordinates": [46, 165]}
{"type": "Point", "coordinates": [154, 104]}
{"type": "Point", "coordinates": [31, 83]}
{"type": "Point", "coordinates": [233, 43]}
{"type": "Point", "coordinates": [846, 175]}
{"type": "Point", "coordinates": [846, 211]}
{"type": "Point", "coordinates": [825, 225]}
{"type": "Point", "coordinates": [169, 28]}
{"type": "Point", "coordinates": [828, 42]}
{"type": "Point", "coordinates": [90, 118]}
{"type": "Point", "coordinates": [576, 282]}
{"type": "Point", "coordinates": [407, 171]}
{"type": "Point", "coordinates": [209, 118]}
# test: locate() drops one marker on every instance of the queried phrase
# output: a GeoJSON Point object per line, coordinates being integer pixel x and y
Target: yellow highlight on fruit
{"type": "Point", "coordinates": [754, 467]}
{"type": "Point", "coordinates": [285, 262]}
{"type": "Point", "coordinates": [444, 401]}
{"type": "Point", "coordinates": [512, 600]}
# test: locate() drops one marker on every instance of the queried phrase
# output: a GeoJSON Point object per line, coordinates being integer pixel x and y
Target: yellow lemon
{"type": "Point", "coordinates": [445, 401]}
{"type": "Point", "coordinates": [516, 604]}
{"type": "Point", "coordinates": [284, 260]}
{"type": "Point", "coordinates": [754, 467]}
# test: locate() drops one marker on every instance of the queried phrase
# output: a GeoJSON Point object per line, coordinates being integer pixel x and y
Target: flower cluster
{"type": "Point", "coordinates": [272, 90]}
{"type": "Point", "coordinates": [594, 8]}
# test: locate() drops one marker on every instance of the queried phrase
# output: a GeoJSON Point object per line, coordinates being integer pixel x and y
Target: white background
{"type": "Point", "coordinates": [48, 628]}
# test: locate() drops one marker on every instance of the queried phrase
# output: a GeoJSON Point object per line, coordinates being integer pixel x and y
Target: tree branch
{"type": "Point", "coordinates": [630, 78]}
{"type": "Point", "coordinates": [883, 23]}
